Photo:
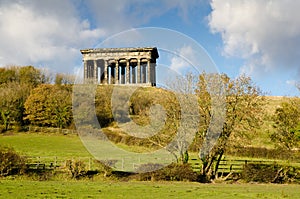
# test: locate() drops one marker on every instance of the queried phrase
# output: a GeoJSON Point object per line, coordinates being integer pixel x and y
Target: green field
{"type": "Point", "coordinates": [59, 147]}
{"type": "Point", "coordinates": [89, 189]}
{"type": "Point", "coordinates": [70, 146]}
{"type": "Point", "coordinates": [42, 144]}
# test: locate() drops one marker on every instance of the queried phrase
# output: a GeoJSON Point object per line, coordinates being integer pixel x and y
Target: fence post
{"type": "Point", "coordinates": [89, 163]}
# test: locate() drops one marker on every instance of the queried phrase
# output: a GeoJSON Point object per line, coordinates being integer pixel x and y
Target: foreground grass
{"type": "Point", "coordinates": [88, 189]}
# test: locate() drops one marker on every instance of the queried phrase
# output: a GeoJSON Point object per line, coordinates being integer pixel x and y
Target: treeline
{"type": "Point", "coordinates": [28, 96]}
{"type": "Point", "coordinates": [31, 96]}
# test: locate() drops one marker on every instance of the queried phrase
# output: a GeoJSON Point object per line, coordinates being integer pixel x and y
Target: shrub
{"type": "Point", "coordinates": [10, 162]}
{"type": "Point", "coordinates": [173, 172]}
{"type": "Point", "coordinates": [76, 168]}
{"type": "Point", "coordinates": [105, 167]}
{"type": "Point", "coordinates": [270, 173]}
{"type": "Point", "coordinates": [260, 172]}
{"type": "Point", "coordinates": [179, 172]}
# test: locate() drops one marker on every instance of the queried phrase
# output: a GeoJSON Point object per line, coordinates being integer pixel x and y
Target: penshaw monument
{"type": "Point", "coordinates": [120, 66]}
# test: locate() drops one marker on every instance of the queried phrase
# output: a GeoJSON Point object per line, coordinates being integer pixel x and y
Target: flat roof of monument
{"type": "Point", "coordinates": [116, 50]}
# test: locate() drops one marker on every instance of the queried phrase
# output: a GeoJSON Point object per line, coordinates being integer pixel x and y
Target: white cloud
{"type": "Point", "coordinates": [184, 59]}
{"type": "Point", "coordinates": [49, 33]}
{"type": "Point", "coordinates": [46, 33]}
{"type": "Point", "coordinates": [265, 33]}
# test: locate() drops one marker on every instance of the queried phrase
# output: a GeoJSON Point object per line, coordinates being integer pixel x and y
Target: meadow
{"type": "Point", "coordinates": [42, 144]}
{"type": "Point", "coordinates": [112, 189]}
{"type": "Point", "coordinates": [70, 146]}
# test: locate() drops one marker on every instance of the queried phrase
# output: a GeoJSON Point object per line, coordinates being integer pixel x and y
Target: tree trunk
{"type": "Point", "coordinates": [206, 172]}
{"type": "Point", "coordinates": [218, 161]}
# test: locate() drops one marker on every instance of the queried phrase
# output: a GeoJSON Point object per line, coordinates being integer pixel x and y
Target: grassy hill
{"type": "Point", "coordinates": [143, 99]}
{"type": "Point", "coordinates": [141, 102]}
{"type": "Point", "coordinates": [140, 105]}
{"type": "Point", "coordinates": [262, 137]}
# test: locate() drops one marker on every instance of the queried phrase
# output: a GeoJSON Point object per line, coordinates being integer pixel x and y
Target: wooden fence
{"type": "Point", "coordinates": [52, 162]}
{"type": "Point", "coordinates": [237, 165]}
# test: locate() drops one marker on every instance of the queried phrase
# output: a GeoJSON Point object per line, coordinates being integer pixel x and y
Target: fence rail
{"type": "Point", "coordinates": [51, 130]}
{"type": "Point", "coordinates": [225, 165]}
{"type": "Point", "coordinates": [52, 162]}
{"type": "Point", "coordinates": [237, 165]}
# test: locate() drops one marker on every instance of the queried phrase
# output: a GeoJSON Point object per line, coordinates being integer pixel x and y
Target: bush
{"type": "Point", "coordinates": [270, 173]}
{"type": "Point", "coordinates": [76, 168]}
{"type": "Point", "coordinates": [173, 172]}
{"type": "Point", "coordinates": [10, 162]}
{"type": "Point", "coordinates": [105, 167]}
{"type": "Point", "coordinates": [259, 172]}
{"type": "Point", "coordinates": [103, 107]}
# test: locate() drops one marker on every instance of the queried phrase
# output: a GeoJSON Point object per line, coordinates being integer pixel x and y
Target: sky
{"type": "Point", "coordinates": [258, 38]}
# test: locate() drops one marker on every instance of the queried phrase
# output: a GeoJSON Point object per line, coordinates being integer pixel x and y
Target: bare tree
{"type": "Point", "coordinates": [186, 118]}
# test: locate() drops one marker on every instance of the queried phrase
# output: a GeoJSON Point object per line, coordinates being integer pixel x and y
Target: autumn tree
{"type": "Point", "coordinates": [32, 76]}
{"type": "Point", "coordinates": [241, 102]}
{"type": "Point", "coordinates": [24, 75]}
{"type": "Point", "coordinates": [287, 124]}
{"type": "Point", "coordinates": [8, 75]}
{"type": "Point", "coordinates": [64, 79]}
{"type": "Point", "coordinates": [16, 82]}
{"type": "Point", "coordinates": [50, 106]}
{"type": "Point", "coordinates": [12, 98]}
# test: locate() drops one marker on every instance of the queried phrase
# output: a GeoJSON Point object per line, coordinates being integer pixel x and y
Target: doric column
{"type": "Point", "coordinates": [108, 74]}
{"type": "Point", "coordinates": [84, 69]}
{"type": "Point", "coordinates": [127, 71]}
{"type": "Point", "coordinates": [148, 71]}
{"type": "Point", "coordinates": [95, 72]}
{"type": "Point", "coordinates": [138, 71]}
{"type": "Point", "coordinates": [105, 81]}
{"type": "Point", "coordinates": [154, 74]}
{"type": "Point", "coordinates": [133, 74]}
{"type": "Point", "coordinates": [117, 72]}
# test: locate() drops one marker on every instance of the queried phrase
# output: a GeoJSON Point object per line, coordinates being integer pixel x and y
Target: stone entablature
{"type": "Point", "coordinates": [120, 65]}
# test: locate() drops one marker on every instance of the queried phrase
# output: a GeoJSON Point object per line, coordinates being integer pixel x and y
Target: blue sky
{"type": "Point", "coordinates": [259, 38]}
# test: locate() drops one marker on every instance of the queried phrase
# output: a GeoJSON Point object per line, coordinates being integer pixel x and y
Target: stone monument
{"type": "Point", "coordinates": [121, 66]}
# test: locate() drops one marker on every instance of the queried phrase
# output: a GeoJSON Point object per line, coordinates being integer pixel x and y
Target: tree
{"type": "Point", "coordinates": [287, 124]}
{"type": "Point", "coordinates": [12, 98]}
{"type": "Point", "coordinates": [242, 103]}
{"type": "Point", "coordinates": [50, 106]}
{"type": "Point", "coordinates": [15, 85]}
{"type": "Point", "coordinates": [32, 76]}
{"type": "Point", "coordinates": [23, 75]}
{"type": "Point", "coordinates": [8, 75]}
{"type": "Point", "coordinates": [64, 79]}
{"type": "Point", "coordinates": [184, 113]}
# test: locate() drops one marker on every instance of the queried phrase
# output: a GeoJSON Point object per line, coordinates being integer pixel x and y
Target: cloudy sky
{"type": "Point", "coordinates": [259, 38]}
